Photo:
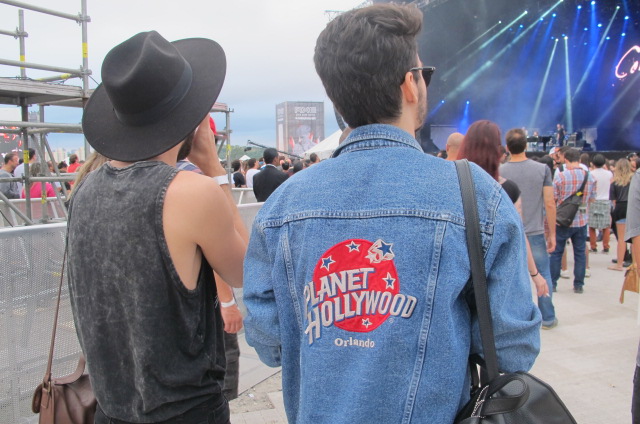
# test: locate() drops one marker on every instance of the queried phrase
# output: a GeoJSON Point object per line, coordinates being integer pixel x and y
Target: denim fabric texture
{"type": "Point", "coordinates": [578, 237]}
{"type": "Point", "coordinates": [541, 258]}
{"type": "Point", "coordinates": [356, 281]}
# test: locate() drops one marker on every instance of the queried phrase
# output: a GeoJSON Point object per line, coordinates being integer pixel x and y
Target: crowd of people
{"type": "Point", "coordinates": [355, 274]}
{"type": "Point", "coordinates": [13, 167]}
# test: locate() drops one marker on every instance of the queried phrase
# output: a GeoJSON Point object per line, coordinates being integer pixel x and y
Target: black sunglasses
{"type": "Point", "coordinates": [427, 71]}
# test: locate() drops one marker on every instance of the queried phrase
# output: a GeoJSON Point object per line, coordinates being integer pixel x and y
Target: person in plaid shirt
{"type": "Point", "coordinates": [566, 183]}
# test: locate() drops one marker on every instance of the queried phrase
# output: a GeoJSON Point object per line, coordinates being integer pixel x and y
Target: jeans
{"type": "Point", "coordinates": [578, 236]}
{"type": "Point", "coordinates": [541, 258]}
{"type": "Point", "coordinates": [213, 411]}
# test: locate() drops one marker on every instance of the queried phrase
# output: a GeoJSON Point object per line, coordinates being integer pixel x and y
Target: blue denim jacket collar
{"type": "Point", "coordinates": [375, 136]}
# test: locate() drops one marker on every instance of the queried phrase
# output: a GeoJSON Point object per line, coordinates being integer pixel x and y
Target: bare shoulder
{"type": "Point", "coordinates": [194, 193]}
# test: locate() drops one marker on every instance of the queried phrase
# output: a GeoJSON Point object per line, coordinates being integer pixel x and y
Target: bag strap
{"type": "Point", "coordinates": [584, 182]}
{"type": "Point", "coordinates": [478, 273]}
{"type": "Point", "coordinates": [47, 376]}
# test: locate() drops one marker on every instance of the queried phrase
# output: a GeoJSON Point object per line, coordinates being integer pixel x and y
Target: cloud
{"type": "Point", "coordinates": [269, 46]}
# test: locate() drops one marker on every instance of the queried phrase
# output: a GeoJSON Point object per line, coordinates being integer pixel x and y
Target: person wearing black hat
{"type": "Point", "coordinates": [141, 264]}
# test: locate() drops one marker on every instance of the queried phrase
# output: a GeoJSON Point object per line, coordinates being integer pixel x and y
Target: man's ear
{"type": "Point", "coordinates": [409, 88]}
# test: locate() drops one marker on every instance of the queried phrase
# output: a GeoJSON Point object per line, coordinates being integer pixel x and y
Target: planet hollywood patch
{"type": "Point", "coordinates": [355, 288]}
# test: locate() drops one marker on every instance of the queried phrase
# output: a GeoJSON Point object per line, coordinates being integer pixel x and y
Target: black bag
{"type": "Point", "coordinates": [513, 398]}
{"type": "Point", "coordinates": [567, 210]}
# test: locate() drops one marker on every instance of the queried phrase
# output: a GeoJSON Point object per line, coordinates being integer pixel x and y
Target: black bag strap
{"type": "Point", "coordinates": [584, 182]}
{"type": "Point", "coordinates": [478, 273]}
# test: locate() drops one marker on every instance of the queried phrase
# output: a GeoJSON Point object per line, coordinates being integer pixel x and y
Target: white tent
{"type": "Point", "coordinates": [325, 148]}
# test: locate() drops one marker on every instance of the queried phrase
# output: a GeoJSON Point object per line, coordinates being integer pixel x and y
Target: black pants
{"type": "Point", "coordinates": [232, 376]}
{"type": "Point", "coordinates": [635, 399]}
{"type": "Point", "coordinates": [212, 411]}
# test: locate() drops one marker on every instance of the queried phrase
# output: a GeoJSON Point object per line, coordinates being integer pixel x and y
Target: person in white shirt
{"type": "Point", "coordinates": [19, 171]}
{"type": "Point", "coordinates": [599, 210]}
{"type": "Point", "coordinates": [253, 170]}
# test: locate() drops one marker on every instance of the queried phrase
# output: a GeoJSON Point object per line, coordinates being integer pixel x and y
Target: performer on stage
{"type": "Point", "coordinates": [560, 134]}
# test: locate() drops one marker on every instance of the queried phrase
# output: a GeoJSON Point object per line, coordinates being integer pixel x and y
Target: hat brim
{"type": "Point", "coordinates": [116, 140]}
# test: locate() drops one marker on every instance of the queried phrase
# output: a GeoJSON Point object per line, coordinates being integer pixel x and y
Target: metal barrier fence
{"type": "Point", "coordinates": [30, 265]}
{"type": "Point", "coordinates": [31, 261]}
{"type": "Point", "coordinates": [9, 218]}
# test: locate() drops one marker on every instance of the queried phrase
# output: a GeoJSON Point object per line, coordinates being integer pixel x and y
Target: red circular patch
{"type": "Point", "coordinates": [357, 268]}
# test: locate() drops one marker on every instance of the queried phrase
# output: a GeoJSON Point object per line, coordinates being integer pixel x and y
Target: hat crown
{"type": "Point", "coordinates": [145, 77]}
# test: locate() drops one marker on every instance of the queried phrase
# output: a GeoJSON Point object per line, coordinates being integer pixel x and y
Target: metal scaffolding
{"type": "Point", "coordinates": [25, 92]}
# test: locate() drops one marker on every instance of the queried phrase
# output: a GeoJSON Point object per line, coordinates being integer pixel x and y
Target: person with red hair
{"type": "Point", "coordinates": [482, 146]}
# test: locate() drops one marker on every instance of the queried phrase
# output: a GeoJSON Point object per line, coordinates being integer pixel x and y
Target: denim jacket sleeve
{"type": "Point", "coordinates": [516, 319]}
{"type": "Point", "coordinates": [261, 324]}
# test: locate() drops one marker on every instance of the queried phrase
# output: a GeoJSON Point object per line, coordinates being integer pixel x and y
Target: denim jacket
{"type": "Point", "coordinates": [356, 281]}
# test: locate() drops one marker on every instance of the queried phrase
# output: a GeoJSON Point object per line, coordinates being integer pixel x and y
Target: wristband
{"type": "Point", "coordinates": [221, 179]}
{"type": "Point", "coordinates": [228, 304]}
{"type": "Point", "coordinates": [535, 275]}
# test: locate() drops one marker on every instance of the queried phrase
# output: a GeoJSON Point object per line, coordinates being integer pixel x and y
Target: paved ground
{"type": "Point", "coordinates": [589, 358]}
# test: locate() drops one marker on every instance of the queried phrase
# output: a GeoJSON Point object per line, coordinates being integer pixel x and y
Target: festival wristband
{"type": "Point", "coordinates": [228, 304]}
{"type": "Point", "coordinates": [221, 179]}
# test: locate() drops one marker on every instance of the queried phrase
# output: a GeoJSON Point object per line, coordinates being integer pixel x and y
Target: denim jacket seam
{"type": "Point", "coordinates": [268, 222]}
{"type": "Point", "coordinates": [286, 248]}
{"type": "Point", "coordinates": [425, 327]}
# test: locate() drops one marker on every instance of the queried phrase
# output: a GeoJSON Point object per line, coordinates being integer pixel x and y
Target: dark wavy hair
{"type": "Point", "coordinates": [362, 57]}
{"type": "Point", "coordinates": [481, 145]}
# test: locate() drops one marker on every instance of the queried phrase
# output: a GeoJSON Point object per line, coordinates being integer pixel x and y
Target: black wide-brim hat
{"type": "Point", "coordinates": [154, 93]}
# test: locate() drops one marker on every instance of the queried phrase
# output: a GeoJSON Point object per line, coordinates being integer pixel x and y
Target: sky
{"type": "Point", "coordinates": [269, 47]}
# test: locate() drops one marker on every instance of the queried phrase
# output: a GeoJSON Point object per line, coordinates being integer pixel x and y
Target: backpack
{"type": "Point", "coordinates": [567, 210]}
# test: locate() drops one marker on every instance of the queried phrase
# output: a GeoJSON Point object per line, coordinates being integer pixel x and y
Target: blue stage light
{"type": "Point", "coordinates": [593, 3]}
{"type": "Point", "coordinates": [608, 38]}
{"type": "Point", "coordinates": [626, 18]}
{"type": "Point", "coordinates": [521, 26]}
{"type": "Point", "coordinates": [579, 6]}
{"type": "Point", "coordinates": [624, 34]}
{"type": "Point", "coordinates": [599, 25]}
{"type": "Point", "coordinates": [467, 101]}
{"type": "Point", "coordinates": [554, 15]}
{"type": "Point", "coordinates": [442, 101]}
{"type": "Point", "coordinates": [586, 29]}
{"type": "Point", "coordinates": [585, 43]}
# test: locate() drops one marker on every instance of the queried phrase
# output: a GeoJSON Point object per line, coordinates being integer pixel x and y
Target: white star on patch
{"type": "Point", "coordinates": [326, 263]}
{"type": "Point", "coordinates": [380, 251]}
{"type": "Point", "coordinates": [366, 322]}
{"type": "Point", "coordinates": [389, 280]}
{"type": "Point", "coordinates": [353, 246]}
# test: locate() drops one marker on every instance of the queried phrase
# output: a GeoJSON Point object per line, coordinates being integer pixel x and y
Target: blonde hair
{"type": "Point", "coordinates": [623, 174]}
{"type": "Point", "coordinates": [95, 161]}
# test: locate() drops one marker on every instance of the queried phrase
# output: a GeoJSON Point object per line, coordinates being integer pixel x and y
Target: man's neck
{"type": "Point", "coordinates": [520, 157]}
{"type": "Point", "coordinates": [5, 168]}
{"type": "Point", "coordinates": [572, 165]}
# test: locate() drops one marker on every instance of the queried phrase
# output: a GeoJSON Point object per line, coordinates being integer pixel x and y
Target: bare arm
{"type": "Point", "coordinates": [550, 209]}
{"type": "Point", "coordinates": [231, 314]}
{"type": "Point", "coordinates": [201, 216]}
{"type": "Point", "coordinates": [542, 288]}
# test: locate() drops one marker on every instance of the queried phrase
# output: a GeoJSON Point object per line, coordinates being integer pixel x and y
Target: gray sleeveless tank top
{"type": "Point", "coordinates": [154, 349]}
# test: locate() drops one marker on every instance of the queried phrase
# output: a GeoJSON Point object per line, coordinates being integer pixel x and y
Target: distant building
{"type": "Point", "coordinates": [60, 155]}
{"type": "Point", "coordinates": [299, 126]}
